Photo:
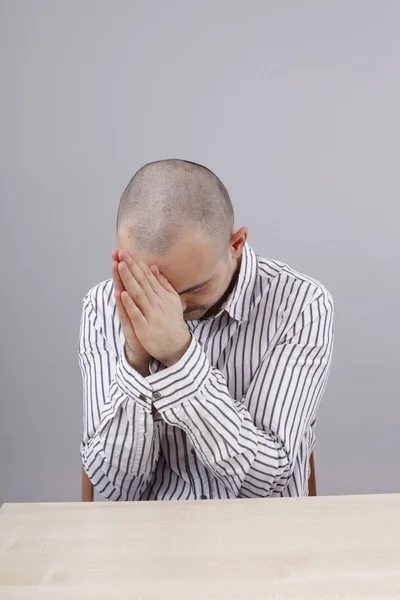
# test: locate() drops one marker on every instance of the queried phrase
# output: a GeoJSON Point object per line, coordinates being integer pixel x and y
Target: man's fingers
{"type": "Point", "coordinates": [118, 285]}
{"type": "Point", "coordinates": [140, 274]}
{"type": "Point", "coordinates": [152, 279]}
{"type": "Point", "coordinates": [134, 289]}
{"type": "Point", "coordinates": [161, 279]}
{"type": "Point", "coordinates": [126, 323]}
{"type": "Point", "coordinates": [140, 270]}
{"type": "Point", "coordinates": [136, 316]}
{"type": "Point", "coordinates": [129, 314]}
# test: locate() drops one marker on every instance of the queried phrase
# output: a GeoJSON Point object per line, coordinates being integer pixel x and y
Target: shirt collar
{"type": "Point", "coordinates": [240, 302]}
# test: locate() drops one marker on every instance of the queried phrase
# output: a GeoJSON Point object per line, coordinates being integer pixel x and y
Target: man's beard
{"type": "Point", "coordinates": [189, 316]}
{"type": "Point", "coordinates": [213, 308]}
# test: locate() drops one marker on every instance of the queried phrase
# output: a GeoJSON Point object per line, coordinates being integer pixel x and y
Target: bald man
{"type": "Point", "coordinates": [203, 363]}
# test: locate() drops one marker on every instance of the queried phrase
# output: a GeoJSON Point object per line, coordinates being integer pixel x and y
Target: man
{"type": "Point", "coordinates": [203, 364]}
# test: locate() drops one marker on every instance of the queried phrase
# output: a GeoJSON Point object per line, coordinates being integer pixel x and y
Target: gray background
{"type": "Point", "coordinates": [295, 105]}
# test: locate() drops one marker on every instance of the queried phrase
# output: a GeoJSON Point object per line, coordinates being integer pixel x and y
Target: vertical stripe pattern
{"type": "Point", "coordinates": [235, 417]}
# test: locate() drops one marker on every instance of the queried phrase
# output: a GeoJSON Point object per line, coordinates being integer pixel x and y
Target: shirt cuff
{"type": "Point", "coordinates": [133, 384]}
{"type": "Point", "coordinates": [184, 379]}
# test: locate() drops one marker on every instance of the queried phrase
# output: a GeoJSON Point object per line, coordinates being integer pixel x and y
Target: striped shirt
{"type": "Point", "coordinates": [235, 417]}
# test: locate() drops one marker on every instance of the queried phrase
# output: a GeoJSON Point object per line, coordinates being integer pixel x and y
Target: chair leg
{"type": "Point", "coordinates": [312, 483]}
{"type": "Point", "coordinates": [86, 488]}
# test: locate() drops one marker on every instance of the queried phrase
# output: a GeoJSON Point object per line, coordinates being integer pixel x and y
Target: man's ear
{"type": "Point", "coordinates": [238, 241]}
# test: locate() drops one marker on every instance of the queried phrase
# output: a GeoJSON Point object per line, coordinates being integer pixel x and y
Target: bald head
{"type": "Point", "coordinates": [171, 199]}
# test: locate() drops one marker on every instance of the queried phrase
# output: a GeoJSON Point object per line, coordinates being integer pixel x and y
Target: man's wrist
{"type": "Point", "coordinates": [173, 359]}
{"type": "Point", "coordinates": [141, 366]}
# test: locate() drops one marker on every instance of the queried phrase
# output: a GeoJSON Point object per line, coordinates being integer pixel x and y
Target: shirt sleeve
{"type": "Point", "coordinates": [121, 442]}
{"type": "Point", "coordinates": [250, 444]}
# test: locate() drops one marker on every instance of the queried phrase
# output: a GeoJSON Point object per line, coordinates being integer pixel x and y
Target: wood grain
{"type": "Point", "coordinates": [319, 548]}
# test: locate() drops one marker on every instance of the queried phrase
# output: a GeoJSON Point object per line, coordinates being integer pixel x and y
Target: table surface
{"type": "Point", "coordinates": [320, 548]}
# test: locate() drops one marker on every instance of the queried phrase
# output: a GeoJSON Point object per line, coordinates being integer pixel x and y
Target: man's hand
{"type": "Point", "coordinates": [136, 355]}
{"type": "Point", "coordinates": [154, 309]}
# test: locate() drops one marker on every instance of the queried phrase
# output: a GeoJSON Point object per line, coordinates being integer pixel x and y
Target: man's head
{"type": "Point", "coordinates": [178, 215]}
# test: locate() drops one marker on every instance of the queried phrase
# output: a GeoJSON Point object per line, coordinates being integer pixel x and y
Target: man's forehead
{"type": "Point", "coordinates": [183, 272]}
{"type": "Point", "coordinates": [187, 264]}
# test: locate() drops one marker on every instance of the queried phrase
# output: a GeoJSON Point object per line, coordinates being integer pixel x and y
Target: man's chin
{"type": "Point", "coordinates": [191, 317]}
{"type": "Point", "coordinates": [195, 315]}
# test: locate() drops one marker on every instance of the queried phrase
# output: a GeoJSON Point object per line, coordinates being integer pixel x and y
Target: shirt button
{"type": "Point", "coordinates": [192, 451]}
{"type": "Point", "coordinates": [203, 497]}
{"type": "Point", "coordinates": [156, 395]}
{"type": "Point", "coordinates": [142, 397]}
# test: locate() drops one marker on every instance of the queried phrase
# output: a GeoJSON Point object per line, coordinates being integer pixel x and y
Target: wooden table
{"type": "Point", "coordinates": [320, 548]}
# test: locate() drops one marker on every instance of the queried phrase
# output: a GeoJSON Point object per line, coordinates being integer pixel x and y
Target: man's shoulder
{"type": "Point", "coordinates": [100, 296]}
{"type": "Point", "coordinates": [275, 273]}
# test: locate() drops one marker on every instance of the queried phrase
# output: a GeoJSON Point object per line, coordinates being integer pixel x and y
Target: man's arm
{"type": "Point", "coordinates": [251, 444]}
{"type": "Point", "coordinates": [121, 443]}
